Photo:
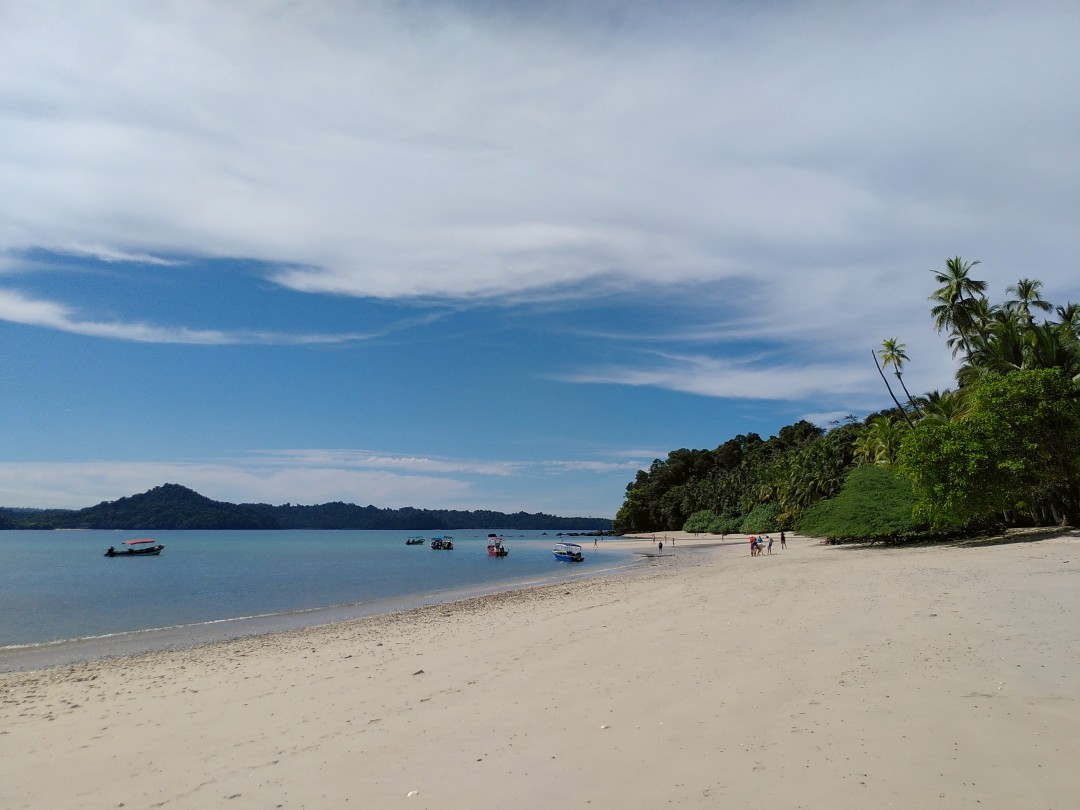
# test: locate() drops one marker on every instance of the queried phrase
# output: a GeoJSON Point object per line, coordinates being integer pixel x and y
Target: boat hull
{"type": "Point", "coordinates": [142, 552]}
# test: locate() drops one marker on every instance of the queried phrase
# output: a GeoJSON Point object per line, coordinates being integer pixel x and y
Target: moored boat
{"type": "Point", "coordinates": [415, 541]}
{"type": "Point", "coordinates": [137, 548]}
{"type": "Point", "coordinates": [568, 552]}
{"type": "Point", "coordinates": [441, 543]}
{"type": "Point", "coordinates": [495, 546]}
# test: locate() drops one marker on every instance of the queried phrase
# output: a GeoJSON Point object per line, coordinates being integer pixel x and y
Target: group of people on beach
{"type": "Point", "coordinates": [757, 541]}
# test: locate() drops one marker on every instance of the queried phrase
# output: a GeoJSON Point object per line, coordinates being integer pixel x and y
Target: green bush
{"type": "Point", "coordinates": [765, 517]}
{"type": "Point", "coordinates": [708, 521]}
{"type": "Point", "coordinates": [726, 524]}
{"type": "Point", "coordinates": [700, 521]}
{"type": "Point", "coordinates": [874, 504]}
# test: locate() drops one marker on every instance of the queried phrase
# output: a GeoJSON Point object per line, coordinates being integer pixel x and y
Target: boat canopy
{"type": "Point", "coordinates": [138, 542]}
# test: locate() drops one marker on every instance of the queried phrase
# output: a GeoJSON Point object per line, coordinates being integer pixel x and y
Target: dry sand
{"type": "Point", "coordinates": [821, 677]}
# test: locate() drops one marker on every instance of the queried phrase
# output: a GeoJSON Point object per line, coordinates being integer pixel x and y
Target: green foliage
{"type": "Point", "coordinates": [1003, 447]}
{"type": "Point", "coordinates": [1017, 451]}
{"type": "Point", "coordinates": [708, 522]}
{"type": "Point", "coordinates": [701, 521]}
{"type": "Point", "coordinates": [765, 517]}
{"type": "Point", "coordinates": [791, 470]}
{"type": "Point", "coordinates": [874, 504]}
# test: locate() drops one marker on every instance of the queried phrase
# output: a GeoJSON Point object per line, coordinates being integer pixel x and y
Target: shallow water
{"type": "Point", "coordinates": [58, 585]}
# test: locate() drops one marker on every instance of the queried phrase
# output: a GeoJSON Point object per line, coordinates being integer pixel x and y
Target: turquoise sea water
{"type": "Point", "coordinates": [57, 585]}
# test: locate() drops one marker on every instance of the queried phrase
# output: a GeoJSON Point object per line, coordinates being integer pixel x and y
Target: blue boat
{"type": "Point", "coordinates": [568, 552]}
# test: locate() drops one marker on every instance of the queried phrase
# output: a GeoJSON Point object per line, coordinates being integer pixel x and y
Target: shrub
{"type": "Point", "coordinates": [765, 517]}
{"type": "Point", "coordinates": [875, 504]}
{"type": "Point", "coordinates": [700, 521]}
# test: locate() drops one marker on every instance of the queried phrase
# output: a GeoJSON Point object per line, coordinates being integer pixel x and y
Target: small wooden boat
{"type": "Point", "coordinates": [415, 541]}
{"type": "Point", "coordinates": [568, 552]}
{"type": "Point", "coordinates": [137, 548]}
{"type": "Point", "coordinates": [443, 543]}
{"type": "Point", "coordinates": [495, 546]}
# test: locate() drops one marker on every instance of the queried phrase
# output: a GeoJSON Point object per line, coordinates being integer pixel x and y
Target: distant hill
{"type": "Point", "coordinates": [172, 506]}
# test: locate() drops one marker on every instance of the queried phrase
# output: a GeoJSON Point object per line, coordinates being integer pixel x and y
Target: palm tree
{"type": "Point", "coordinates": [879, 441]}
{"type": "Point", "coordinates": [955, 298]}
{"type": "Point", "coordinates": [1027, 295]}
{"type": "Point", "coordinates": [944, 406]}
{"type": "Point", "coordinates": [1069, 319]}
{"type": "Point", "coordinates": [892, 354]}
{"type": "Point", "coordinates": [885, 380]}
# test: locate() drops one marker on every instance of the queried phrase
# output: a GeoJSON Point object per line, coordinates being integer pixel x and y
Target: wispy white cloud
{"type": "Point", "coordinates": [350, 459]}
{"type": "Point", "coordinates": [18, 308]}
{"type": "Point", "coordinates": [734, 379]}
{"type": "Point", "coordinates": [306, 476]}
{"type": "Point", "coordinates": [76, 485]}
{"type": "Point", "coordinates": [400, 150]}
{"type": "Point", "coordinates": [797, 171]}
{"type": "Point", "coordinates": [108, 254]}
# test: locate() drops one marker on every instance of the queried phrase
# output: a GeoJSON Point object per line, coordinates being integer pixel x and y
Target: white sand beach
{"type": "Point", "coordinates": [818, 677]}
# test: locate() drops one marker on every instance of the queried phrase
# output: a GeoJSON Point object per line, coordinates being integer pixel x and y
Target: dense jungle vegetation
{"type": "Point", "coordinates": [1000, 449]}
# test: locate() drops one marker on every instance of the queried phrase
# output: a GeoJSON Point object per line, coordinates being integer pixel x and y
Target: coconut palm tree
{"type": "Point", "coordinates": [1027, 295]}
{"type": "Point", "coordinates": [879, 441]}
{"type": "Point", "coordinates": [885, 380]}
{"type": "Point", "coordinates": [1069, 320]}
{"type": "Point", "coordinates": [892, 354]}
{"type": "Point", "coordinates": [944, 406]}
{"type": "Point", "coordinates": [954, 300]}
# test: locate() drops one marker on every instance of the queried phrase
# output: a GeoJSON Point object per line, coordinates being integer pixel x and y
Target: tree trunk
{"type": "Point", "coordinates": [891, 394]}
{"type": "Point", "coordinates": [908, 394]}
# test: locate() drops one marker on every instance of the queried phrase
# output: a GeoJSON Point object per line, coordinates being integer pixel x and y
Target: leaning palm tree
{"type": "Point", "coordinates": [892, 354]}
{"type": "Point", "coordinates": [885, 380]}
{"type": "Point", "coordinates": [954, 300]}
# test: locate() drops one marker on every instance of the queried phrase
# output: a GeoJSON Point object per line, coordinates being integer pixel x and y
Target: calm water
{"type": "Point", "coordinates": [58, 585]}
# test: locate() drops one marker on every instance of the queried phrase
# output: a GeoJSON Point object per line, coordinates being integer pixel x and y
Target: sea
{"type": "Point", "coordinates": [62, 600]}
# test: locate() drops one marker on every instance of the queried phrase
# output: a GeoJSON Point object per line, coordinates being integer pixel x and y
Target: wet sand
{"type": "Point", "coordinates": [819, 677]}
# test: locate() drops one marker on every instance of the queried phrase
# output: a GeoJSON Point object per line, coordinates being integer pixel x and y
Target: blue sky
{"type": "Point", "coordinates": [495, 255]}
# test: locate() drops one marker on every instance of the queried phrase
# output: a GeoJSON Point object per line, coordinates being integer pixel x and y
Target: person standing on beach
{"type": "Point", "coordinates": [783, 540]}
{"type": "Point", "coordinates": [770, 543]}
{"type": "Point", "coordinates": [661, 547]}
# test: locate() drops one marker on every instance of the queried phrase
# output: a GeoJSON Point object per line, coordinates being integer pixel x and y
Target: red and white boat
{"type": "Point", "coordinates": [496, 547]}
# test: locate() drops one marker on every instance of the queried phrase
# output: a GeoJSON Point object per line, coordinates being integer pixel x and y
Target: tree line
{"type": "Point", "coordinates": [172, 506]}
{"type": "Point", "coordinates": [1000, 449]}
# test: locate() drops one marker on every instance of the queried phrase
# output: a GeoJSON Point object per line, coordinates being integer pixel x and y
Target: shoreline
{"type": "Point", "coordinates": [824, 676]}
{"type": "Point", "coordinates": [68, 651]}
{"type": "Point", "coordinates": [62, 652]}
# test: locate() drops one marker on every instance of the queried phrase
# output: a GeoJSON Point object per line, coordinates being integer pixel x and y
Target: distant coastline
{"type": "Point", "coordinates": [172, 506]}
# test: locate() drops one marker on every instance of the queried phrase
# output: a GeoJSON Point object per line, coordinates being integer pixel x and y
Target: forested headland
{"type": "Point", "coordinates": [1000, 449]}
{"type": "Point", "coordinates": [173, 506]}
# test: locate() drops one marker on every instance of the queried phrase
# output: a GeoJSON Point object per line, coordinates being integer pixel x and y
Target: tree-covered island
{"type": "Point", "coordinates": [1001, 449]}
{"type": "Point", "coordinates": [172, 506]}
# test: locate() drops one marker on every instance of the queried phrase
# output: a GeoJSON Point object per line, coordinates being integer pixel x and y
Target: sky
{"type": "Point", "coordinates": [496, 255]}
